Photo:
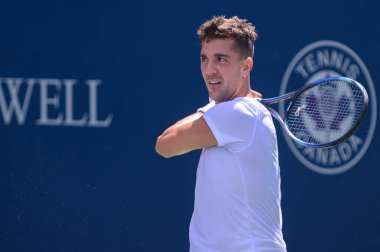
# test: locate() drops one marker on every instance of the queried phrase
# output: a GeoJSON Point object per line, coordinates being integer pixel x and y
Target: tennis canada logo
{"type": "Point", "coordinates": [323, 59]}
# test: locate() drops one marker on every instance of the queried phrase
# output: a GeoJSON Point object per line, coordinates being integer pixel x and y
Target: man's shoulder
{"type": "Point", "coordinates": [240, 107]}
{"type": "Point", "coordinates": [239, 101]}
{"type": "Point", "coordinates": [244, 104]}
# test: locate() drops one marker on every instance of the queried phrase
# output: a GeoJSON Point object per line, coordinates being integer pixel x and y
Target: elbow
{"type": "Point", "coordinates": [161, 148]}
{"type": "Point", "coordinates": [162, 152]}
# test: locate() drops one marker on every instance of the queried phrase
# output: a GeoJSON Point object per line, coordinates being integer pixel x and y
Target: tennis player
{"type": "Point", "coordinates": [237, 195]}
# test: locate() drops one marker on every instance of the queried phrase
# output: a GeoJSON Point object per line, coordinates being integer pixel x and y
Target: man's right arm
{"type": "Point", "coordinates": [186, 135]}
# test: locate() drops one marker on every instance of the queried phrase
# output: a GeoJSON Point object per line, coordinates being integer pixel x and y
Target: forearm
{"type": "Point", "coordinates": [188, 134]}
{"type": "Point", "coordinates": [165, 144]}
{"type": "Point", "coordinates": [187, 119]}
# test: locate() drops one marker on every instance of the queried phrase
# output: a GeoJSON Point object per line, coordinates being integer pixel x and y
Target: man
{"type": "Point", "coordinates": [237, 194]}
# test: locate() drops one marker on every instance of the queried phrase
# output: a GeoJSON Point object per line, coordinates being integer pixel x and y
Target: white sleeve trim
{"type": "Point", "coordinates": [207, 107]}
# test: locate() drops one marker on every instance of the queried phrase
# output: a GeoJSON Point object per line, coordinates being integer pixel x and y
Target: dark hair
{"type": "Point", "coordinates": [238, 29]}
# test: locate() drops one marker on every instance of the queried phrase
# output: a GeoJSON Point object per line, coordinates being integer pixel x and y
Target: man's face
{"type": "Point", "coordinates": [222, 69]}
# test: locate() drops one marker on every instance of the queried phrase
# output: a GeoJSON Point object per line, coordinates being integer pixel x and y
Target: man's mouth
{"type": "Point", "coordinates": [214, 82]}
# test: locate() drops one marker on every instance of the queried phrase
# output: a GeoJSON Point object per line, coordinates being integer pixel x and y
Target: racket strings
{"type": "Point", "coordinates": [325, 112]}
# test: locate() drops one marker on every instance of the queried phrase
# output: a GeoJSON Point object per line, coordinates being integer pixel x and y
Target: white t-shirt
{"type": "Point", "coordinates": [237, 195]}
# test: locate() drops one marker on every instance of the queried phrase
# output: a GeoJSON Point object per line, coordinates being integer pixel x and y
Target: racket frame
{"type": "Point", "coordinates": [295, 94]}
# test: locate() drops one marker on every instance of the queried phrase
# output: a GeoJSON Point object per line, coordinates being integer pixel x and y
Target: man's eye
{"type": "Point", "coordinates": [203, 59]}
{"type": "Point", "coordinates": [221, 59]}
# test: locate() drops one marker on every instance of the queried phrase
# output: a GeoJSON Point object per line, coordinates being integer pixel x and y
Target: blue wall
{"type": "Point", "coordinates": [99, 185]}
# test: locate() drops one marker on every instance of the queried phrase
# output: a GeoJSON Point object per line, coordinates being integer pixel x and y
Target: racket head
{"type": "Point", "coordinates": [326, 112]}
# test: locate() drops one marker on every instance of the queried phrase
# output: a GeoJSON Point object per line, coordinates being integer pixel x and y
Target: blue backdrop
{"type": "Point", "coordinates": [87, 86]}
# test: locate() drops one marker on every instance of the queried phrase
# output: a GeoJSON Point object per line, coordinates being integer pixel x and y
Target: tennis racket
{"type": "Point", "coordinates": [323, 113]}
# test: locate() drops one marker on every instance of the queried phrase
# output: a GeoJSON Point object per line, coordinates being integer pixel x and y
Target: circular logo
{"type": "Point", "coordinates": [323, 59]}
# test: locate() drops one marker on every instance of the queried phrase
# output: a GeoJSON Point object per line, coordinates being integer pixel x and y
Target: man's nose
{"type": "Point", "coordinates": [210, 69]}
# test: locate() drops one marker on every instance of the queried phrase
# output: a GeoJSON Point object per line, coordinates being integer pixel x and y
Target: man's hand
{"type": "Point", "coordinates": [254, 94]}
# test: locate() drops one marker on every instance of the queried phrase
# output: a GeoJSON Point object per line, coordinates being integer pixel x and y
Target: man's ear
{"type": "Point", "coordinates": [248, 65]}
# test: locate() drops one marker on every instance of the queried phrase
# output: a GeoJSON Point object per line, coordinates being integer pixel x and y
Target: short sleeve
{"type": "Point", "coordinates": [207, 107]}
{"type": "Point", "coordinates": [233, 124]}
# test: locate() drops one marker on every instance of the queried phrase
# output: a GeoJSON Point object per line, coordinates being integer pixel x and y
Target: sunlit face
{"type": "Point", "coordinates": [223, 69]}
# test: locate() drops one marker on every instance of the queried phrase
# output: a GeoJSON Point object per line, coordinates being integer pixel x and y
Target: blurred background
{"type": "Point", "coordinates": [87, 86]}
